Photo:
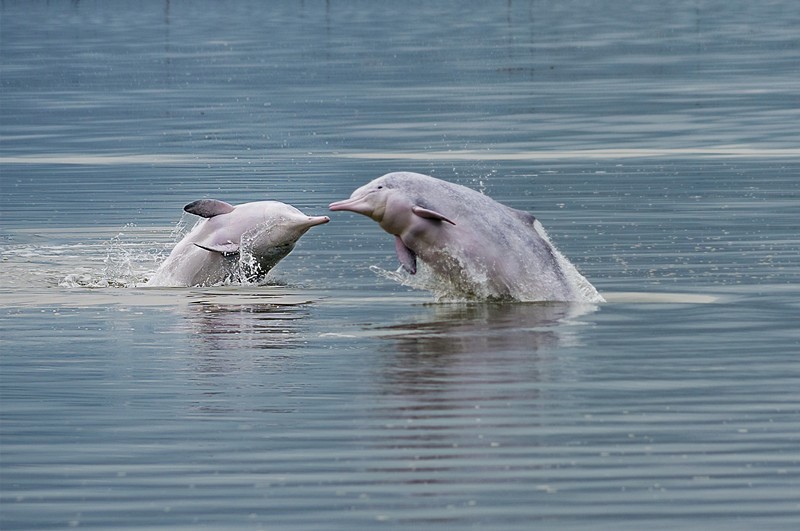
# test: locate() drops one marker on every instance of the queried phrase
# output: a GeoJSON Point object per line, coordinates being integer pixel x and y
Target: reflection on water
{"type": "Point", "coordinates": [459, 379]}
{"type": "Point", "coordinates": [465, 340]}
{"type": "Point", "coordinates": [225, 328]}
{"type": "Point", "coordinates": [459, 345]}
{"type": "Point", "coordinates": [229, 343]}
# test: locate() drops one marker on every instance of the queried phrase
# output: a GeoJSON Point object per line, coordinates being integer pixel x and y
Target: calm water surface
{"type": "Point", "coordinates": [657, 143]}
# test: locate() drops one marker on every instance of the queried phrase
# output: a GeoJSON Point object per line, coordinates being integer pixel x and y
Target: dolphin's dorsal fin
{"type": "Point", "coordinates": [227, 249]}
{"type": "Point", "coordinates": [406, 256]}
{"type": "Point", "coordinates": [208, 208]}
{"type": "Point", "coordinates": [430, 214]}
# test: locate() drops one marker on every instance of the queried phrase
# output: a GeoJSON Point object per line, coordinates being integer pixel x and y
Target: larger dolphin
{"type": "Point", "coordinates": [481, 248]}
{"type": "Point", "coordinates": [245, 240]}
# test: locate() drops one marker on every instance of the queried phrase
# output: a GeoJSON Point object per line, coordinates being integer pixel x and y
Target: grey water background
{"type": "Point", "coordinates": [658, 143]}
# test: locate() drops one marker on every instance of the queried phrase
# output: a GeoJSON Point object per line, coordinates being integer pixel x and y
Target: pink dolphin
{"type": "Point", "coordinates": [482, 248]}
{"type": "Point", "coordinates": [247, 239]}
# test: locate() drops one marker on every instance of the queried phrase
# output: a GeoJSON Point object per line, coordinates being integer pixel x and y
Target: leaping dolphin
{"type": "Point", "coordinates": [247, 239]}
{"type": "Point", "coordinates": [482, 248]}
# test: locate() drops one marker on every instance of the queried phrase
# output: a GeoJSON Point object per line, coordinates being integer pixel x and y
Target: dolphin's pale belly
{"type": "Point", "coordinates": [189, 265]}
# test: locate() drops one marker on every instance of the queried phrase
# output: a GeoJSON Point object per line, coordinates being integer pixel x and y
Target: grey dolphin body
{"type": "Point", "coordinates": [245, 240]}
{"type": "Point", "coordinates": [482, 248]}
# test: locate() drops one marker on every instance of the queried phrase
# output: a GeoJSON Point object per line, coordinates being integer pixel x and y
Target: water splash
{"type": "Point", "coordinates": [579, 283]}
{"type": "Point", "coordinates": [473, 287]}
{"type": "Point", "coordinates": [128, 261]}
{"type": "Point", "coordinates": [471, 282]}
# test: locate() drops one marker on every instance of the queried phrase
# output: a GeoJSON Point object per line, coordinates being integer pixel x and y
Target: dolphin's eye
{"type": "Point", "coordinates": [380, 188]}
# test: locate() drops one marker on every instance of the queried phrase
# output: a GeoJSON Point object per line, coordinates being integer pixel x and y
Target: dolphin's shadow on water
{"type": "Point", "coordinates": [457, 343]}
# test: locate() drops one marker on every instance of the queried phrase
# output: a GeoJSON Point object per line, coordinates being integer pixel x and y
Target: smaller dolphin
{"type": "Point", "coordinates": [243, 241]}
{"type": "Point", "coordinates": [478, 247]}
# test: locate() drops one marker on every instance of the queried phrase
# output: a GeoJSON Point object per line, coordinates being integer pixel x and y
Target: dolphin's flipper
{"type": "Point", "coordinates": [227, 249]}
{"type": "Point", "coordinates": [429, 214]}
{"type": "Point", "coordinates": [406, 256]}
{"type": "Point", "coordinates": [208, 208]}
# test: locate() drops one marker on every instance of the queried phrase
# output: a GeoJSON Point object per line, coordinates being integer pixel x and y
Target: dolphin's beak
{"type": "Point", "coordinates": [357, 205]}
{"type": "Point", "coordinates": [313, 221]}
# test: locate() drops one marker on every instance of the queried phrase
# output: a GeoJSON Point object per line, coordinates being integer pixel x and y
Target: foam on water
{"type": "Point", "coordinates": [124, 260]}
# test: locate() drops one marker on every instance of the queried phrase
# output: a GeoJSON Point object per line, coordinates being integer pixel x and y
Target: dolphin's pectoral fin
{"type": "Point", "coordinates": [228, 249]}
{"type": "Point", "coordinates": [430, 214]}
{"type": "Point", "coordinates": [208, 208]}
{"type": "Point", "coordinates": [406, 256]}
